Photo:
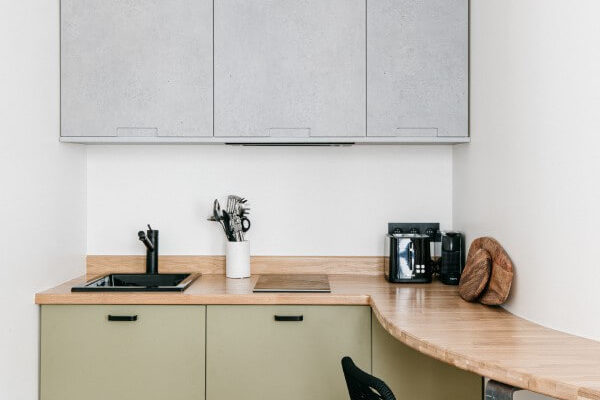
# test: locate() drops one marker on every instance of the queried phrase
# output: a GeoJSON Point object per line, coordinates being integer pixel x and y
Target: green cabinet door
{"type": "Point", "coordinates": [415, 376]}
{"type": "Point", "coordinates": [252, 356]}
{"type": "Point", "coordinates": [156, 357]}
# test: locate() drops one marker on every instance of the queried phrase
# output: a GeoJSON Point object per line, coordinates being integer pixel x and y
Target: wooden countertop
{"type": "Point", "coordinates": [430, 318]}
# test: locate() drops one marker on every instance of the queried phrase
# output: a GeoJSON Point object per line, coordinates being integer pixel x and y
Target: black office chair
{"type": "Point", "coordinates": [362, 386]}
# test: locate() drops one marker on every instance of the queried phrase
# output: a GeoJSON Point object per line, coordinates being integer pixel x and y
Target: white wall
{"type": "Point", "coordinates": [305, 201]}
{"type": "Point", "coordinates": [42, 195]}
{"type": "Point", "coordinates": [530, 177]}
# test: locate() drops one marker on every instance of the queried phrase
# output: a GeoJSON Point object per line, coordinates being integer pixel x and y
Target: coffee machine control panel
{"type": "Point", "coordinates": [431, 229]}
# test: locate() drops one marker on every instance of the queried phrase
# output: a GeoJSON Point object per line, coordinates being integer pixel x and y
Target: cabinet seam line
{"type": "Point", "coordinates": [213, 68]}
{"type": "Point", "coordinates": [205, 351]}
{"type": "Point", "coordinates": [366, 70]}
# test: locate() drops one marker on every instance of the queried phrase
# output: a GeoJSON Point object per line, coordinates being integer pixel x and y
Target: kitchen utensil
{"type": "Point", "coordinates": [497, 290]}
{"type": "Point", "coordinates": [238, 228]}
{"type": "Point", "coordinates": [227, 226]}
{"type": "Point", "coordinates": [243, 209]}
{"type": "Point", "coordinates": [217, 215]}
{"type": "Point", "coordinates": [229, 205]}
{"type": "Point", "coordinates": [476, 275]}
{"type": "Point", "coordinates": [233, 219]}
{"type": "Point", "coordinates": [245, 224]}
{"type": "Point", "coordinates": [241, 226]}
{"type": "Point", "coordinates": [232, 203]}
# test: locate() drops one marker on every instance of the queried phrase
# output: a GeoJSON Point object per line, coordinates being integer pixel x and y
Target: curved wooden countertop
{"type": "Point", "coordinates": [430, 318]}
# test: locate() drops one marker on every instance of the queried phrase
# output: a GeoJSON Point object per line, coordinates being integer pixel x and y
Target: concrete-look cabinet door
{"type": "Point", "coordinates": [158, 356]}
{"type": "Point", "coordinates": [417, 67]}
{"type": "Point", "coordinates": [290, 68]}
{"type": "Point", "coordinates": [413, 375]}
{"type": "Point", "coordinates": [252, 356]}
{"type": "Point", "coordinates": [136, 68]}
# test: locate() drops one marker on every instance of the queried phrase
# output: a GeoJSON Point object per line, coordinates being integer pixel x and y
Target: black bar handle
{"type": "Point", "coordinates": [122, 317]}
{"type": "Point", "coordinates": [289, 317]}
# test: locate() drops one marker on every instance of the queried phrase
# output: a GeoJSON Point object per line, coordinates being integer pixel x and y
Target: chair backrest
{"type": "Point", "coordinates": [362, 386]}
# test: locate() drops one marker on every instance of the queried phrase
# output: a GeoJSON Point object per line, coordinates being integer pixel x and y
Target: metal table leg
{"type": "Point", "coordinates": [499, 391]}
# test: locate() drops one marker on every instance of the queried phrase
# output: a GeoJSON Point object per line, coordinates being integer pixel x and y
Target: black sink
{"type": "Point", "coordinates": [138, 283]}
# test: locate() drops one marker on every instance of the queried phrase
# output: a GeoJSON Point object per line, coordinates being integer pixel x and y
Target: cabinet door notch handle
{"type": "Point", "coordinates": [296, 318]}
{"type": "Point", "coordinates": [125, 318]}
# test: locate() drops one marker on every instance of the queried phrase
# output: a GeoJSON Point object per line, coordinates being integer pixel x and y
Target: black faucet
{"type": "Point", "coordinates": [150, 239]}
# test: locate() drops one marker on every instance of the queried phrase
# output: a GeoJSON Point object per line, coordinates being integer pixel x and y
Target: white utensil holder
{"type": "Point", "coordinates": [237, 259]}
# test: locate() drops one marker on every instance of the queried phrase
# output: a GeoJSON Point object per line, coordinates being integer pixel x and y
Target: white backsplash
{"type": "Point", "coordinates": [305, 201]}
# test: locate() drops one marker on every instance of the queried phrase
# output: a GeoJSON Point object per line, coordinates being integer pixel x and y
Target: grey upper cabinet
{"type": "Point", "coordinates": [290, 68]}
{"type": "Point", "coordinates": [136, 68]}
{"type": "Point", "coordinates": [309, 71]}
{"type": "Point", "coordinates": [417, 68]}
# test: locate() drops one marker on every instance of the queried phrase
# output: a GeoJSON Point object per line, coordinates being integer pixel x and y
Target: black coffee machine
{"type": "Point", "coordinates": [453, 257]}
{"type": "Point", "coordinates": [407, 258]}
{"type": "Point", "coordinates": [408, 252]}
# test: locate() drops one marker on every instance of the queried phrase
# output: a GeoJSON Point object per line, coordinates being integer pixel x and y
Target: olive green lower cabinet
{"type": "Point", "coordinates": [159, 355]}
{"type": "Point", "coordinates": [414, 376]}
{"type": "Point", "coordinates": [284, 352]}
{"type": "Point", "coordinates": [159, 352]}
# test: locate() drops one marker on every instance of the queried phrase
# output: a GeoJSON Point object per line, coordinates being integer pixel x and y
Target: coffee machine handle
{"type": "Point", "coordinates": [411, 252]}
